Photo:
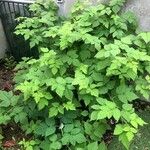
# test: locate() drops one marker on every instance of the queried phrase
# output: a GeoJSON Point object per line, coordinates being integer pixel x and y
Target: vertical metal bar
{"type": "Point", "coordinates": [13, 6]}
{"type": "Point", "coordinates": [14, 10]}
{"type": "Point", "coordinates": [10, 13]}
{"type": "Point", "coordinates": [5, 7]}
{"type": "Point", "coordinates": [24, 14]}
{"type": "Point", "coordinates": [7, 23]}
{"type": "Point", "coordinates": [24, 10]}
{"type": "Point", "coordinates": [9, 10]}
{"type": "Point", "coordinates": [11, 24]}
{"type": "Point", "coordinates": [15, 40]}
{"type": "Point", "coordinates": [18, 9]}
{"type": "Point", "coordinates": [14, 17]}
{"type": "Point", "coordinates": [18, 5]}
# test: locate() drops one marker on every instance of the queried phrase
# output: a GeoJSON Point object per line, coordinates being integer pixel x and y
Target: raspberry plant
{"type": "Point", "coordinates": [92, 66]}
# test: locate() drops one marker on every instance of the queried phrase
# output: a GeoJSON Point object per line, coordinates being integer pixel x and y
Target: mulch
{"type": "Point", "coordinates": [6, 78]}
{"type": "Point", "coordinates": [11, 132]}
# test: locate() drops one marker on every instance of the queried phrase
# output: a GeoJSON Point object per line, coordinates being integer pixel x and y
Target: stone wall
{"type": "Point", "coordinates": [3, 43]}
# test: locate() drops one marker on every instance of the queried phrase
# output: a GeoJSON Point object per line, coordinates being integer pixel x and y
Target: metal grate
{"type": "Point", "coordinates": [9, 11]}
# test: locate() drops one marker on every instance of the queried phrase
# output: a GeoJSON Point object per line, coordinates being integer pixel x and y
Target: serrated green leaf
{"type": "Point", "coordinates": [54, 70]}
{"type": "Point", "coordinates": [145, 36]}
{"type": "Point", "coordinates": [102, 146]}
{"type": "Point", "coordinates": [80, 138]}
{"type": "Point", "coordinates": [127, 40]}
{"type": "Point", "coordinates": [116, 114]}
{"type": "Point", "coordinates": [75, 131]}
{"type": "Point", "coordinates": [49, 131]}
{"type": "Point", "coordinates": [94, 115]}
{"type": "Point", "coordinates": [93, 146]}
{"type": "Point", "coordinates": [68, 94]}
{"type": "Point", "coordinates": [55, 145]}
{"type": "Point", "coordinates": [118, 129]}
{"type": "Point", "coordinates": [42, 103]}
{"type": "Point", "coordinates": [69, 106]}
{"type": "Point", "coordinates": [124, 140]}
{"type": "Point", "coordinates": [53, 112]}
{"type": "Point", "coordinates": [129, 135]}
{"type": "Point", "coordinates": [88, 128]}
{"type": "Point", "coordinates": [68, 128]}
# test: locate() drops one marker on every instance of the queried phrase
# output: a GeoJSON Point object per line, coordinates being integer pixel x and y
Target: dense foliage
{"type": "Point", "coordinates": [92, 66]}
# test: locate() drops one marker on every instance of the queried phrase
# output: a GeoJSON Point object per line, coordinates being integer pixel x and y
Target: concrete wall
{"type": "Point", "coordinates": [140, 7]}
{"type": "Point", "coordinates": [3, 43]}
{"type": "Point", "coordinates": [64, 8]}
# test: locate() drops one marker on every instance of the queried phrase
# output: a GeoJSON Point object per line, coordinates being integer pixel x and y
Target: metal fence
{"type": "Point", "coordinates": [9, 11]}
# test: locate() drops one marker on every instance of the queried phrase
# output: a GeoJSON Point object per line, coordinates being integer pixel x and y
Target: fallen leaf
{"type": "Point", "coordinates": [9, 143]}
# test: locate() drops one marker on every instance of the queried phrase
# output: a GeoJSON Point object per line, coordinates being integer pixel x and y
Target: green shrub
{"type": "Point", "coordinates": [92, 66]}
{"type": "Point", "coordinates": [11, 109]}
